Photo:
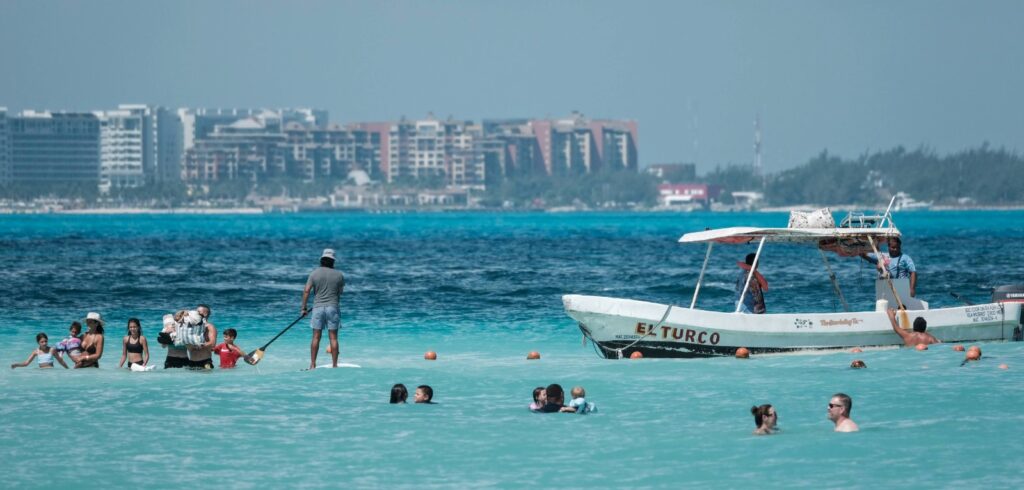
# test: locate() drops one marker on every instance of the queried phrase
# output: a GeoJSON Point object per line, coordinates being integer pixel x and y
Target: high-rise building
{"type": "Point", "coordinates": [124, 141]}
{"type": "Point", "coordinates": [169, 147]}
{"type": "Point", "coordinates": [55, 148]}
{"type": "Point", "coordinates": [5, 149]}
{"type": "Point", "coordinates": [431, 150]}
{"type": "Point", "coordinates": [574, 145]}
{"type": "Point", "coordinates": [314, 153]}
{"type": "Point", "coordinates": [246, 149]}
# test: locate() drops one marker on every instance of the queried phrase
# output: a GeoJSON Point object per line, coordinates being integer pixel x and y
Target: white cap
{"type": "Point", "coordinates": [328, 253]}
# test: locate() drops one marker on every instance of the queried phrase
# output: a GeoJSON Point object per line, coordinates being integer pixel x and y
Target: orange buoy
{"type": "Point", "coordinates": [922, 347]}
{"type": "Point", "coordinates": [1004, 366]}
{"type": "Point", "coordinates": [742, 353]}
{"type": "Point", "coordinates": [636, 355]}
{"type": "Point", "coordinates": [430, 355]}
{"type": "Point", "coordinates": [533, 355]}
{"type": "Point", "coordinates": [856, 350]}
{"type": "Point", "coordinates": [858, 364]}
{"type": "Point", "coordinates": [958, 348]}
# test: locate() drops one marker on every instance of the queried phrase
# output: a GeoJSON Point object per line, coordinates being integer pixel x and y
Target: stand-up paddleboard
{"type": "Point", "coordinates": [141, 369]}
{"type": "Point", "coordinates": [340, 365]}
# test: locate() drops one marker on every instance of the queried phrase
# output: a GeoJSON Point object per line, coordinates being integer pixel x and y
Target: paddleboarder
{"type": "Point", "coordinates": [326, 284]}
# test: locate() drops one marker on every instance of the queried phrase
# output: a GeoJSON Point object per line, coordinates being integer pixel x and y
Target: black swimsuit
{"type": "Point", "coordinates": [135, 348]}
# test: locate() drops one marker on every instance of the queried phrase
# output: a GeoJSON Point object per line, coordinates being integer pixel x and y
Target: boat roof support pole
{"type": "Point", "coordinates": [835, 284]}
{"type": "Point", "coordinates": [700, 280]}
{"type": "Point", "coordinates": [750, 275]}
{"type": "Point", "coordinates": [888, 214]}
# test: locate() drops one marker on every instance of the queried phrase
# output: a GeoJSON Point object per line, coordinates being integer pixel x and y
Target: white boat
{"type": "Point", "coordinates": [903, 202]}
{"type": "Point", "coordinates": [620, 327]}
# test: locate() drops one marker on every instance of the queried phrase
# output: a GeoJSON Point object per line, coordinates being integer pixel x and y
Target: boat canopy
{"type": "Point", "coordinates": [818, 236]}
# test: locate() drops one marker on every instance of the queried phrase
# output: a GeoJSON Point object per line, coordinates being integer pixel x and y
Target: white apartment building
{"type": "Point", "coordinates": [430, 149]}
{"type": "Point", "coordinates": [122, 149]}
{"type": "Point", "coordinates": [5, 149]}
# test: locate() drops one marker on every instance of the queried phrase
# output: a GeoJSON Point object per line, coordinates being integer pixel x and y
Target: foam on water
{"type": "Point", "coordinates": [482, 291]}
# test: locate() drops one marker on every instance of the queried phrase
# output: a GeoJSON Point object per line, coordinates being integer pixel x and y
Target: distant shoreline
{"type": "Point", "coordinates": [278, 210]}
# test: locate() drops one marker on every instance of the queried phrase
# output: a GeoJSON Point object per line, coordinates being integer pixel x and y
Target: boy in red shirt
{"type": "Point", "coordinates": [228, 351]}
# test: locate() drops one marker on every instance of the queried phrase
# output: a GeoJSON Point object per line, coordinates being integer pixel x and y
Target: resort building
{"type": "Point", "coordinates": [683, 195]}
{"type": "Point", "coordinates": [123, 145]}
{"type": "Point", "coordinates": [434, 151]}
{"type": "Point", "coordinates": [571, 146]}
{"type": "Point", "coordinates": [59, 148]}
{"type": "Point", "coordinates": [314, 153]}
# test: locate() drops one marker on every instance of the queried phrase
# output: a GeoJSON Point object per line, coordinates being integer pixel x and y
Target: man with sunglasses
{"type": "Point", "coordinates": [839, 413]}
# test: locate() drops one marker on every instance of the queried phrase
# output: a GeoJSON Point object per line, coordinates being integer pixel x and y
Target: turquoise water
{"type": "Point", "coordinates": [483, 290]}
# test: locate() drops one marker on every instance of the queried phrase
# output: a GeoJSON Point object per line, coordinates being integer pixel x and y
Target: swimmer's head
{"type": "Point", "coordinates": [920, 324]}
{"type": "Point", "coordinates": [578, 392]}
{"type": "Point", "coordinates": [538, 394]}
{"type": "Point", "coordinates": [424, 394]}
{"type": "Point", "coordinates": [555, 393]}
{"type": "Point", "coordinates": [761, 412]}
{"type": "Point", "coordinates": [75, 328]}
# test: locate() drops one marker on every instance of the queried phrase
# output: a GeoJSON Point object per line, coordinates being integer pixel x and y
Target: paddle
{"type": "Point", "coordinates": [257, 354]}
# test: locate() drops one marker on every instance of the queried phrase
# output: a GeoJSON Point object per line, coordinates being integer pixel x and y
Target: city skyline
{"type": "Point", "coordinates": [849, 78]}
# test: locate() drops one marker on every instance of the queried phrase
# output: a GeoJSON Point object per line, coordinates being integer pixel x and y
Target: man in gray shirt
{"type": "Point", "coordinates": [327, 284]}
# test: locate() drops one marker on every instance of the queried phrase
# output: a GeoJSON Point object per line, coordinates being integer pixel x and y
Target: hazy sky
{"type": "Point", "coordinates": [845, 76]}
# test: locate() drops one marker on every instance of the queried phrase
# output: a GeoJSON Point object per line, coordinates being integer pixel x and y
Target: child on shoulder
{"type": "Point", "coordinates": [72, 345]}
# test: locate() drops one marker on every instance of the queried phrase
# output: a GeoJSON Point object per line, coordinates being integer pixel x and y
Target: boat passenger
{"type": "Point", "coordinates": [134, 347]}
{"type": "Point", "coordinates": [399, 394]}
{"type": "Point", "coordinates": [540, 398]}
{"type": "Point", "coordinates": [839, 413]}
{"type": "Point", "coordinates": [72, 345]}
{"type": "Point", "coordinates": [555, 400]}
{"type": "Point", "coordinates": [92, 342]}
{"type": "Point", "coordinates": [896, 263]}
{"type": "Point", "coordinates": [765, 418]}
{"type": "Point", "coordinates": [424, 394]}
{"type": "Point", "coordinates": [918, 336]}
{"type": "Point", "coordinates": [753, 301]}
{"type": "Point", "coordinates": [43, 353]}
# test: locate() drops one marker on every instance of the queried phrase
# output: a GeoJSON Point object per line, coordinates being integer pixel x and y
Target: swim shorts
{"type": "Point", "coordinates": [325, 317]}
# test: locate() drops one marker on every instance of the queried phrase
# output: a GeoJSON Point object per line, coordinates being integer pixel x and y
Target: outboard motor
{"type": "Point", "coordinates": [1013, 293]}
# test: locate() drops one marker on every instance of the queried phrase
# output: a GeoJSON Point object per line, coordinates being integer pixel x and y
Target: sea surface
{"type": "Point", "coordinates": [483, 290]}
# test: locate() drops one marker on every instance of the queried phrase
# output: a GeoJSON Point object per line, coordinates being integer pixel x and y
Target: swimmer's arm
{"type": "Point", "coordinates": [27, 361]}
{"type": "Point", "coordinates": [124, 351]}
{"type": "Point", "coordinates": [895, 326]}
{"type": "Point", "coordinates": [145, 351]}
{"type": "Point", "coordinates": [211, 336]}
{"type": "Point", "coordinates": [913, 284]}
{"type": "Point", "coordinates": [568, 410]}
{"type": "Point", "coordinates": [60, 360]}
{"type": "Point", "coordinates": [872, 260]}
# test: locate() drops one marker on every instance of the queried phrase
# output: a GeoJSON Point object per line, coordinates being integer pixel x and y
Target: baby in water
{"type": "Point", "coordinates": [579, 401]}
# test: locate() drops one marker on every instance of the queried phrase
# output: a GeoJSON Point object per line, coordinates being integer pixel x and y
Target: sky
{"type": "Point", "coordinates": [846, 77]}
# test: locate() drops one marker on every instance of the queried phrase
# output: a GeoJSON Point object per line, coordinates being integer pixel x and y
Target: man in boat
{"type": "Point", "coordinates": [839, 413]}
{"type": "Point", "coordinates": [753, 300]}
{"type": "Point", "coordinates": [326, 284]}
{"type": "Point", "coordinates": [898, 264]}
{"type": "Point", "coordinates": [918, 336]}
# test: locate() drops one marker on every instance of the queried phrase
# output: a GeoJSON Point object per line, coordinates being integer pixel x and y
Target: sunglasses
{"type": "Point", "coordinates": [833, 405]}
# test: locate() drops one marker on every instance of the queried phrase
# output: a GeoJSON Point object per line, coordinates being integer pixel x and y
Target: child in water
{"type": "Point", "coordinates": [540, 398]}
{"type": "Point", "coordinates": [43, 352]}
{"type": "Point", "coordinates": [72, 345]}
{"type": "Point", "coordinates": [229, 352]}
{"type": "Point", "coordinates": [579, 401]}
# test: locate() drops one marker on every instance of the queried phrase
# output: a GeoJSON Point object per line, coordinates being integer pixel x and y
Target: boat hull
{"type": "Point", "coordinates": [620, 327]}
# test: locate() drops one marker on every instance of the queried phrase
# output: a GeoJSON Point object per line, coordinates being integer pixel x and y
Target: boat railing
{"type": "Point", "coordinates": [857, 219]}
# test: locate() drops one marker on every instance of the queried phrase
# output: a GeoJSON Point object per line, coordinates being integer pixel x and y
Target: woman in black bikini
{"type": "Point", "coordinates": [92, 342]}
{"type": "Point", "coordinates": [134, 347]}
